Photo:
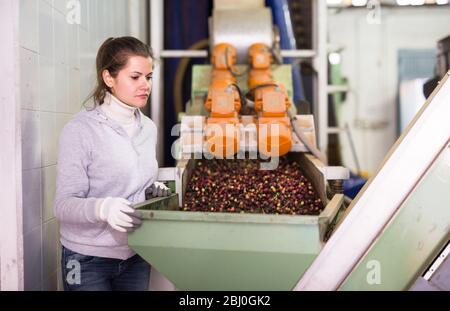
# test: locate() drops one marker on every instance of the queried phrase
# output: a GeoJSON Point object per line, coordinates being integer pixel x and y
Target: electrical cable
{"type": "Point", "coordinates": [241, 96]}
{"type": "Point", "coordinates": [316, 152]}
{"type": "Point", "coordinates": [234, 73]}
{"type": "Point", "coordinates": [259, 86]}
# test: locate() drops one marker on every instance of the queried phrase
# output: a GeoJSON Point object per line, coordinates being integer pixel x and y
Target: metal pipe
{"type": "Point", "coordinates": [337, 88]}
{"type": "Point", "coordinates": [183, 53]}
{"type": "Point", "coordinates": [320, 108]}
{"type": "Point", "coordinates": [352, 148]}
{"type": "Point", "coordinates": [301, 54]}
{"type": "Point", "coordinates": [298, 53]}
{"type": "Point", "coordinates": [134, 21]}
{"type": "Point", "coordinates": [157, 43]}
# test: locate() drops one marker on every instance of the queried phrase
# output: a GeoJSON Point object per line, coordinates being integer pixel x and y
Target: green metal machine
{"type": "Point", "coordinates": [227, 251]}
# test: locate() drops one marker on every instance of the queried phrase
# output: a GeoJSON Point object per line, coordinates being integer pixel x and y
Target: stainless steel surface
{"type": "Point", "coordinates": [242, 28]}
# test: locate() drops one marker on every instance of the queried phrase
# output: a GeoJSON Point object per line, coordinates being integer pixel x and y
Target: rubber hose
{"type": "Point", "coordinates": [179, 76]}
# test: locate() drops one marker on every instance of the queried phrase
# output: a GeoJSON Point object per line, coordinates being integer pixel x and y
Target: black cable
{"type": "Point", "coordinates": [241, 96]}
{"type": "Point", "coordinates": [259, 86]}
{"type": "Point", "coordinates": [235, 74]}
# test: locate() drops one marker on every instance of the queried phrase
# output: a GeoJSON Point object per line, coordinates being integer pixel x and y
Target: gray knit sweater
{"type": "Point", "coordinates": [97, 159]}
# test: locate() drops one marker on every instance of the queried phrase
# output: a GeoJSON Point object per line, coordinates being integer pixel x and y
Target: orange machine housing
{"type": "Point", "coordinates": [260, 59]}
{"type": "Point", "coordinates": [271, 104]}
{"type": "Point", "coordinates": [223, 104]}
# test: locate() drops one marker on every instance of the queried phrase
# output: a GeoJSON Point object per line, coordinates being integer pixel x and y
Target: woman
{"type": "Point", "coordinates": [106, 163]}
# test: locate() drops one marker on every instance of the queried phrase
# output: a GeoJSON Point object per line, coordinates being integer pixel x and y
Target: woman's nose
{"type": "Point", "coordinates": [146, 83]}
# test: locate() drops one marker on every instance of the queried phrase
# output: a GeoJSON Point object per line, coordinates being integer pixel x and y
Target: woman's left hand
{"type": "Point", "coordinates": [157, 189]}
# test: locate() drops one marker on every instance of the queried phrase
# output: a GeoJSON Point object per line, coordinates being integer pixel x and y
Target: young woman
{"type": "Point", "coordinates": [106, 163]}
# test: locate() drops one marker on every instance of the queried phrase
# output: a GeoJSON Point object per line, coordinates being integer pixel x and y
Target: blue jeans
{"type": "Point", "coordinates": [90, 273]}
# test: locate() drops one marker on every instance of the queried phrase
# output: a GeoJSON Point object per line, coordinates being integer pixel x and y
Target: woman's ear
{"type": "Point", "coordinates": [107, 78]}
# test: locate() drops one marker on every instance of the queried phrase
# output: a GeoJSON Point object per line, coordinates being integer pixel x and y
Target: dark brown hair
{"type": "Point", "coordinates": [113, 55]}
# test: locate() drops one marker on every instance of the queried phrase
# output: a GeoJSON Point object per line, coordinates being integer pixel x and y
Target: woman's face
{"type": "Point", "coordinates": [133, 83]}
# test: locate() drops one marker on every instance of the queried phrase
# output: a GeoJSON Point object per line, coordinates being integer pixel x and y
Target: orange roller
{"type": "Point", "coordinates": [223, 56]}
{"type": "Point", "coordinates": [274, 136]}
{"type": "Point", "coordinates": [271, 103]}
{"type": "Point", "coordinates": [222, 137]}
{"type": "Point", "coordinates": [274, 129]}
{"type": "Point", "coordinates": [223, 104]}
{"type": "Point", "coordinates": [223, 100]}
{"type": "Point", "coordinates": [260, 59]}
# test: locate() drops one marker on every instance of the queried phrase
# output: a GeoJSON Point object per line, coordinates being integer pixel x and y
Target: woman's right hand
{"type": "Point", "coordinates": [118, 213]}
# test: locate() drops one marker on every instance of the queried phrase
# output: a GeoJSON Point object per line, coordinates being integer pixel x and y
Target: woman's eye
{"type": "Point", "coordinates": [134, 78]}
{"type": "Point", "coordinates": [149, 78]}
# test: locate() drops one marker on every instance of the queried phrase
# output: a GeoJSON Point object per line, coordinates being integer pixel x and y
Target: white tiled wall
{"type": "Point", "coordinates": [57, 73]}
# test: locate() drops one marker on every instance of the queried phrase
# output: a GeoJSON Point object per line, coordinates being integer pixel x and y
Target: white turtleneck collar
{"type": "Point", "coordinates": [120, 112]}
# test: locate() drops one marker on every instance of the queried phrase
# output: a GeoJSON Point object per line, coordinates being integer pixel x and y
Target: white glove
{"type": "Point", "coordinates": [157, 189]}
{"type": "Point", "coordinates": [118, 213]}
